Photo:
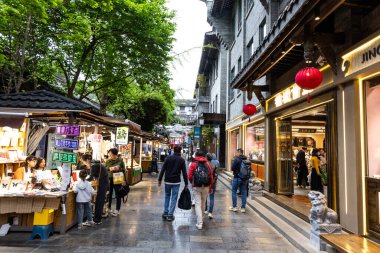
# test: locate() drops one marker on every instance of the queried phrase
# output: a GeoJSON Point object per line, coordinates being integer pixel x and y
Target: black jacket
{"type": "Point", "coordinates": [301, 160]}
{"type": "Point", "coordinates": [173, 166]}
{"type": "Point", "coordinates": [99, 171]}
{"type": "Point", "coordinates": [236, 164]}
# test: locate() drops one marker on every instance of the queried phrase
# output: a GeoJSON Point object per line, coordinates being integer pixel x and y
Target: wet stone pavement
{"type": "Point", "coordinates": [140, 229]}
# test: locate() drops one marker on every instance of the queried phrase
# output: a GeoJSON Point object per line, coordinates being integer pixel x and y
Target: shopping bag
{"type": "Point", "coordinates": [184, 201]}
{"type": "Point", "coordinates": [118, 177]}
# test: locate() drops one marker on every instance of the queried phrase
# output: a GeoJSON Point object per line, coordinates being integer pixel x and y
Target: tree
{"type": "Point", "coordinates": [103, 43]}
{"type": "Point", "coordinates": [21, 43]}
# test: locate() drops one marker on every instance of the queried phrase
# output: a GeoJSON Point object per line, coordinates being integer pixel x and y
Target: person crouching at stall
{"type": "Point", "coordinates": [25, 173]}
{"type": "Point", "coordinates": [84, 192]}
{"type": "Point", "coordinates": [114, 165]}
{"type": "Point", "coordinates": [99, 172]}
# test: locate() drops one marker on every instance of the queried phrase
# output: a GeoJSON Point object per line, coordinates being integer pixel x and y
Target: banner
{"type": "Point", "coordinates": [66, 144]}
{"type": "Point", "coordinates": [67, 130]}
{"type": "Point", "coordinates": [122, 135]}
{"type": "Point", "coordinates": [64, 157]}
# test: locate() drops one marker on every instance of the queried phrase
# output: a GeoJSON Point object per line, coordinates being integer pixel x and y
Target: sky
{"type": "Point", "coordinates": [191, 20]}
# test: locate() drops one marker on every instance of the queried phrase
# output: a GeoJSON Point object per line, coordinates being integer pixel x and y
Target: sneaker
{"type": "Point", "coordinates": [97, 223]}
{"type": "Point", "coordinates": [115, 213]}
{"type": "Point", "coordinates": [170, 218]}
{"type": "Point", "coordinates": [199, 226]}
{"type": "Point", "coordinates": [242, 210]}
{"type": "Point", "coordinates": [206, 212]}
{"type": "Point", "coordinates": [210, 216]}
{"type": "Point", "coordinates": [233, 209]}
{"type": "Point", "coordinates": [88, 223]}
{"type": "Point", "coordinates": [193, 203]}
{"type": "Point", "coordinates": [105, 215]}
{"type": "Point", "coordinates": [80, 226]}
{"type": "Point", "coordinates": [164, 216]}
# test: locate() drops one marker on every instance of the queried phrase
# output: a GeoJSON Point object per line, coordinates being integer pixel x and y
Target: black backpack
{"type": "Point", "coordinates": [245, 170]}
{"type": "Point", "coordinates": [201, 175]}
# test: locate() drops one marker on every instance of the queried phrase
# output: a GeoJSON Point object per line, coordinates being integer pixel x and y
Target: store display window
{"type": "Point", "coordinates": [373, 123]}
{"type": "Point", "coordinates": [255, 142]}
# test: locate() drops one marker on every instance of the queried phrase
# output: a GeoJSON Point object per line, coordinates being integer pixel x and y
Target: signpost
{"type": "Point", "coordinates": [67, 130]}
{"type": "Point", "coordinates": [66, 144]}
{"type": "Point", "coordinates": [65, 157]}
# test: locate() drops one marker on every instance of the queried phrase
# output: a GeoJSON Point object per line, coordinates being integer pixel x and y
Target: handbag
{"type": "Point", "coordinates": [184, 201]}
{"type": "Point", "coordinates": [123, 192]}
{"type": "Point", "coordinates": [118, 177]}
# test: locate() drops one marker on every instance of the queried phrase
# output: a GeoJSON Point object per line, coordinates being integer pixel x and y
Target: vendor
{"type": "Point", "coordinates": [25, 173]}
{"type": "Point", "coordinates": [41, 163]}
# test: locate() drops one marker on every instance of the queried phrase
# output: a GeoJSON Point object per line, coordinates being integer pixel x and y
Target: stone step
{"type": "Point", "coordinates": [294, 229]}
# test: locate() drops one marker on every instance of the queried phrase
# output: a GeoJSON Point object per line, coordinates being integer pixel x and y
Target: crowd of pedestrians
{"type": "Point", "coordinates": [202, 175]}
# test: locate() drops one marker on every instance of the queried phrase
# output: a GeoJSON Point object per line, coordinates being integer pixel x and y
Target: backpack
{"type": "Point", "coordinates": [245, 170]}
{"type": "Point", "coordinates": [201, 175]}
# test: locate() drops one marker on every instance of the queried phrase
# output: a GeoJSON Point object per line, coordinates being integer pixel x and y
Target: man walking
{"type": "Point", "coordinates": [200, 174]}
{"type": "Point", "coordinates": [239, 182]}
{"type": "Point", "coordinates": [172, 168]}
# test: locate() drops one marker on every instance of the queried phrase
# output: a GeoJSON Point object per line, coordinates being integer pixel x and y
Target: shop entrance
{"type": "Point", "coordinates": [298, 134]}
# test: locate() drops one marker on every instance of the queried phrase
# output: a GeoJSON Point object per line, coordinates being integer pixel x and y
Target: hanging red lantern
{"type": "Point", "coordinates": [249, 110]}
{"type": "Point", "coordinates": [308, 79]}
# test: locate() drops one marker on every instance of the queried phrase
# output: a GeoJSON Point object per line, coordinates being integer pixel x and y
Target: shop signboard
{"type": "Point", "coordinates": [95, 138]}
{"type": "Point", "coordinates": [67, 130]}
{"type": "Point", "coordinates": [197, 133]}
{"type": "Point", "coordinates": [64, 157]}
{"type": "Point", "coordinates": [66, 144]}
{"type": "Point", "coordinates": [122, 135]}
{"type": "Point", "coordinates": [307, 130]}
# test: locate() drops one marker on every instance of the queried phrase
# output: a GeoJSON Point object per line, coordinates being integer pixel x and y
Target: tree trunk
{"type": "Point", "coordinates": [103, 101]}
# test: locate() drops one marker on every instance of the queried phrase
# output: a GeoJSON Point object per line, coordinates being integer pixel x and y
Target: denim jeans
{"type": "Point", "coordinates": [87, 208]}
{"type": "Point", "coordinates": [211, 196]}
{"type": "Point", "coordinates": [171, 196]}
{"type": "Point", "coordinates": [242, 185]}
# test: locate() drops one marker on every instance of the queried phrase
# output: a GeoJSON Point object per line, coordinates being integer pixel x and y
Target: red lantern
{"type": "Point", "coordinates": [249, 110]}
{"type": "Point", "coordinates": [308, 79]}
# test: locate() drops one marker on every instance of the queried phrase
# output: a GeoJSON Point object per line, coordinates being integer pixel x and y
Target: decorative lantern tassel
{"type": "Point", "coordinates": [308, 98]}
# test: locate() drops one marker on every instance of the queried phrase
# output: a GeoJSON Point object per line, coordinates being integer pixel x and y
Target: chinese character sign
{"type": "Point", "coordinates": [65, 157]}
{"type": "Point", "coordinates": [122, 135]}
{"type": "Point", "coordinates": [66, 143]}
{"type": "Point", "coordinates": [67, 130]}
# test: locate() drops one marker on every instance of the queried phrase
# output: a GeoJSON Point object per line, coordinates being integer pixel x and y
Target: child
{"type": "Point", "coordinates": [84, 191]}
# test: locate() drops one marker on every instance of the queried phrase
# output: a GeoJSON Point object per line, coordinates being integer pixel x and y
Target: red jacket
{"type": "Point", "coordinates": [193, 167]}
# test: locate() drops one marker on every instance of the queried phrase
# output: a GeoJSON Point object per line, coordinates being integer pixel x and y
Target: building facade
{"type": "Point", "coordinates": [267, 43]}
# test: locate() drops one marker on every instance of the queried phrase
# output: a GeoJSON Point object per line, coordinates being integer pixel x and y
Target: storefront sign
{"type": "Point", "coordinates": [95, 138]}
{"type": "Point", "coordinates": [122, 135]}
{"type": "Point", "coordinates": [64, 157]}
{"type": "Point", "coordinates": [289, 94]}
{"type": "Point", "coordinates": [66, 143]}
{"type": "Point", "coordinates": [362, 57]}
{"type": "Point", "coordinates": [197, 133]}
{"type": "Point", "coordinates": [307, 130]}
{"type": "Point", "coordinates": [67, 130]}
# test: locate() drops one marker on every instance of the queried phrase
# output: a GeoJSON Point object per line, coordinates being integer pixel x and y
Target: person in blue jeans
{"type": "Point", "coordinates": [84, 192]}
{"type": "Point", "coordinates": [237, 182]}
{"type": "Point", "coordinates": [214, 168]}
{"type": "Point", "coordinates": [173, 166]}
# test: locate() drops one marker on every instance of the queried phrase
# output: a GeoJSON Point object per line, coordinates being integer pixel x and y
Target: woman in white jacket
{"type": "Point", "coordinates": [84, 192]}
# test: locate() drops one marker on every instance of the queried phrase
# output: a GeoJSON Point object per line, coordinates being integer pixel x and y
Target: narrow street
{"type": "Point", "coordinates": [141, 229]}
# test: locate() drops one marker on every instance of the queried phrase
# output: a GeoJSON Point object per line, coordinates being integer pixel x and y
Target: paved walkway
{"type": "Point", "coordinates": [140, 229]}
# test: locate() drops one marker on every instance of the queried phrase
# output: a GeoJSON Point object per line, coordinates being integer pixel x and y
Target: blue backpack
{"type": "Point", "coordinates": [245, 170]}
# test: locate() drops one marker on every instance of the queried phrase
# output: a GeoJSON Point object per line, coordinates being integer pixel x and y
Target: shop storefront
{"type": "Point", "coordinates": [294, 125]}
{"type": "Point", "coordinates": [255, 147]}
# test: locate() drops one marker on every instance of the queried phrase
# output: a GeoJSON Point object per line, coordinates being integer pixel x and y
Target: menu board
{"type": "Point", "coordinates": [64, 157]}
{"type": "Point", "coordinates": [66, 143]}
{"type": "Point", "coordinates": [67, 130]}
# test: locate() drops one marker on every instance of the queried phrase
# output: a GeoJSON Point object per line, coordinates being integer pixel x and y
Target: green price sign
{"type": "Point", "coordinates": [65, 157]}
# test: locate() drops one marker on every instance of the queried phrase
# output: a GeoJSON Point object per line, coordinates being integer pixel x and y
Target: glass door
{"type": "Point", "coordinates": [284, 168]}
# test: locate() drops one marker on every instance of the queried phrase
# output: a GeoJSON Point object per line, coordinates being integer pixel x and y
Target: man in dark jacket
{"type": "Point", "coordinates": [98, 171]}
{"type": "Point", "coordinates": [302, 168]}
{"type": "Point", "coordinates": [237, 182]}
{"type": "Point", "coordinates": [172, 168]}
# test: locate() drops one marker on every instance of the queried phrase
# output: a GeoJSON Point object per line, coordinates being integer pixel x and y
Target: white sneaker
{"type": "Point", "coordinates": [206, 212]}
{"type": "Point", "coordinates": [80, 226]}
{"type": "Point", "coordinates": [233, 209]}
{"type": "Point", "coordinates": [199, 226]}
{"type": "Point", "coordinates": [88, 223]}
{"type": "Point", "coordinates": [193, 203]}
{"type": "Point", "coordinates": [115, 213]}
{"type": "Point", "coordinates": [210, 216]}
{"type": "Point", "coordinates": [242, 210]}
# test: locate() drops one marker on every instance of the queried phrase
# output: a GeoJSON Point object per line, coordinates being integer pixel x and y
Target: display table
{"type": "Point", "coordinates": [134, 175]}
{"type": "Point", "coordinates": [22, 208]}
{"type": "Point", "coordinates": [145, 165]}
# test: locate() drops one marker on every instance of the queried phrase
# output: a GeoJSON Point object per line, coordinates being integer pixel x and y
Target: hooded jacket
{"type": "Point", "coordinates": [193, 167]}
{"type": "Point", "coordinates": [84, 191]}
{"type": "Point", "coordinates": [172, 167]}
{"type": "Point", "coordinates": [236, 164]}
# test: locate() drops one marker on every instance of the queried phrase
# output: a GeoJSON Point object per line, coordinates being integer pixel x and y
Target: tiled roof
{"type": "Point", "coordinates": [42, 99]}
